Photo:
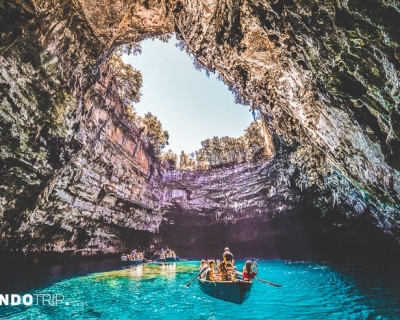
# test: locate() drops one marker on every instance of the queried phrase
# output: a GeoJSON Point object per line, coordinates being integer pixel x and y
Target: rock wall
{"type": "Point", "coordinates": [248, 205]}
{"type": "Point", "coordinates": [77, 175]}
{"type": "Point", "coordinates": [76, 169]}
{"type": "Point", "coordinates": [325, 77]}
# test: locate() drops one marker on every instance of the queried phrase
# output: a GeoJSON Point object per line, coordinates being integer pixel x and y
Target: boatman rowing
{"type": "Point", "coordinates": [227, 256]}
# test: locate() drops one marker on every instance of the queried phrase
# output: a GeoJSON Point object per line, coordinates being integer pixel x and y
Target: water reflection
{"type": "Point", "coordinates": [148, 271]}
{"type": "Point", "coordinates": [136, 272]}
{"type": "Point", "coordinates": [157, 291]}
{"type": "Point", "coordinates": [168, 270]}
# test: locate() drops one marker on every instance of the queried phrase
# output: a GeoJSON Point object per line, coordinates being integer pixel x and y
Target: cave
{"type": "Point", "coordinates": [79, 177]}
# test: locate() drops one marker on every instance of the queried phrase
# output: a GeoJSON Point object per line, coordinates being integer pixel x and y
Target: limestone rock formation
{"type": "Point", "coordinates": [78, 175]}
{"type": "Point", "coordinates": [245, 205]}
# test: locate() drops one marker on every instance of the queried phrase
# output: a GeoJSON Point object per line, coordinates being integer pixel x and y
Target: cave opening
{"type": "Point", "coordinates": [308, 112]}
{"type": "Point", "coordinates": [194, 107]}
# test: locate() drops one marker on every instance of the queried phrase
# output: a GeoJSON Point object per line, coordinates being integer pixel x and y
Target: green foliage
{"type": "Point", "coordinates": [186, 162]}
{"type": "Point", "coordinates": [225, 151]}
{"type": "Point", "coordinates": [201, 160]}
{"type": "Point", "coordinates": [129, 49]}
{"type": "Point", "coordinates": [158, 138]}
{"type": "Point", "coordinates": [168, 159]}
{"type": "Point", "coordinates": [217, 152]}
{"type": "Point", "coordinates": [128, 80]}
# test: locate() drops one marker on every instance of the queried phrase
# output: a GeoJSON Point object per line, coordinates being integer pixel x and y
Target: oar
{"type": "Point", "coordinates": [265, 281]}
{"type": "Point", "coordinates": [190, 282]}
{"type": "Point", "coordinates": [180, 259]}
{"type": "Point", "coordinates": [269, 282]}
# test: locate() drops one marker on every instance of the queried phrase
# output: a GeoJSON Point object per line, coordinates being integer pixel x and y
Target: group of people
{"type": "Point", "coordinates": [135, 255]}
{"type": "Point", "coordinates": [167, 254]}
{"type": "Point", "coordinates": [138, 255]}
{"type": "Point", "coordinates": [226, 270]}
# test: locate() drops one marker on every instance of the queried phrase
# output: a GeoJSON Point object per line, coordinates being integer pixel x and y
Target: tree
{"type": "Point", "coordinates": [168, 159]}
{"type": "Point", "coordinates": [186, 162]}
{"type": "Point", "coordinates": [158, 138]}
{"type": "Point", "coordinates": [201, 160]}
{"type": "Point", "coordinates": [128, 80]}
{"type": "Point", "coordinates": [234, 149]}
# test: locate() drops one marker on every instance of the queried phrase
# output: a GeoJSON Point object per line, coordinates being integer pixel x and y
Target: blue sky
{"type": "Point", "coordinates": [190, 106]}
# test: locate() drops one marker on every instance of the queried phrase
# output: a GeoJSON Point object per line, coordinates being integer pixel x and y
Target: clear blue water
{"type": "Point", "coordinates": [310, 291]}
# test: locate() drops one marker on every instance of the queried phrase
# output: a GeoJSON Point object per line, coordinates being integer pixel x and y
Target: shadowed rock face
{"type": "Point", "coordinates": [249, 207]}
{"type": "Point", "coordinates": [77, 175]}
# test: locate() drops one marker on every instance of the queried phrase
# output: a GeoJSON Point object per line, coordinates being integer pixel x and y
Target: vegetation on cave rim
{"type": "Point", "coordinates": [215, 152]}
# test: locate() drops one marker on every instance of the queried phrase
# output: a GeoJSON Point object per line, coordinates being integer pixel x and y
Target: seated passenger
{"type": "Point", "coordinates": [203, 263]}
{"type": "Point", "coordinates": [210, 271]}
{"type": "Point", "coordinates": [124, 257]}
{"type": "Point", "coordinates": [216, 270]}
{"type": "Point", "coordinates": [223, 272]}
{"type": "Point", "coordinates": [231, 271]}
{"type": "Point", "coordinates": [248, 271]}
{"type": "Point", "coordinates": [203, 267]}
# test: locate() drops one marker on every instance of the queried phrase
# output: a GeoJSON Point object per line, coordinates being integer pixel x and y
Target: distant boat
{"type": "Point", "coordinates": [237, 291]}
{"type": "Point", "coordinates": [131, 262]}
{"type": "Point", "coordinates": [169, 257]}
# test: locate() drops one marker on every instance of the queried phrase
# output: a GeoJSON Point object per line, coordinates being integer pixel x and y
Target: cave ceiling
{"type": "Point", "coordinates": [324, 75]}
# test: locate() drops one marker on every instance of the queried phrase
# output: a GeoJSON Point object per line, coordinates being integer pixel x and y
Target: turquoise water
{"type": "Point", "coordinates": [310, 291]}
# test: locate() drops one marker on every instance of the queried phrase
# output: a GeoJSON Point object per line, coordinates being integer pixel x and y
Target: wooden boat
{"type": "Point", "coordinates": [131, 262]}
{"type": "Point", "coordinates": [164, 258]}
{"type": "Point", "coordinates": [237, 291]}
{"type": "Point", "coordinates": [169, 258]}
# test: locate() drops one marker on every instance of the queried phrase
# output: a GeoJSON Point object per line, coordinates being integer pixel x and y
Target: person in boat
{"type": "Point", "coordinates": [210, 270]}
{"type": "Point", "coordinates": [124, 257]}
{"type": "Point", "coordinates": [169, 254]}
{"type": "Point", "coordinates": [222, 271]}
{"type": "Point", "coordinates": [250, 271]}
{"type": "Point", "coordinates": [227, 256]}
{"type": "Point", "coordinates": [203, 267]}
{"type": "Point", "coordinates": [162, 256]}
{"type": "Point", "coordinates": [133, 254]}
{"type": "Point", "coordinates": [230, 270]}
{"type": "Point", "coordinates": [216, 270]}
{"type": "Point", "coordinates": [203, 264]}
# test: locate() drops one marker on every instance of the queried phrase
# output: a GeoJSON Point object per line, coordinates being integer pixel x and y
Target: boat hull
{"type": "Point", "coordinates": [170, 259]}
{"type": "Point", "coordinates": [237, 291]}
{"type": "Point", "coordinates": [130, 262]}
{"type": "Point", "coordinates": [167, 260]}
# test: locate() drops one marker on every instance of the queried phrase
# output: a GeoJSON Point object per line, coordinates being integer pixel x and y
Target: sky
{"type": "Point", "coordinates": [191, 106]}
